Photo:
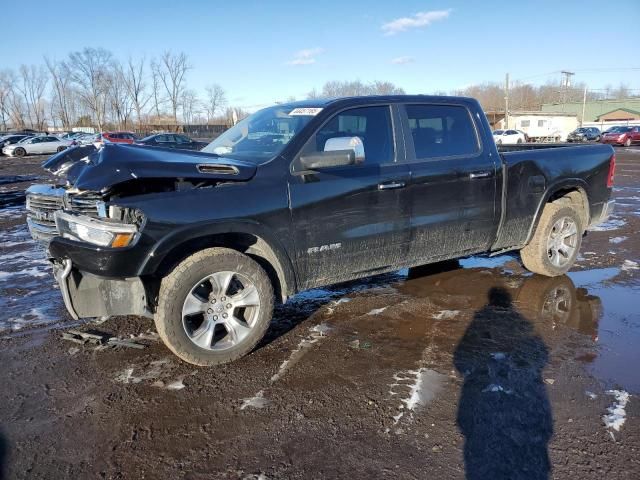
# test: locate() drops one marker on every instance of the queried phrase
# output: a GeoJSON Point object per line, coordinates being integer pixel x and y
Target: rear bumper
{"type": "Point", "coordinates": [86, 295]}
{"type": "Point", "coordinates": [603, 215]}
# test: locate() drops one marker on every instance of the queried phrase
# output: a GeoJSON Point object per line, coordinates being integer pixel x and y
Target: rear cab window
{"type": "Point", "coordinates": [441, 131]}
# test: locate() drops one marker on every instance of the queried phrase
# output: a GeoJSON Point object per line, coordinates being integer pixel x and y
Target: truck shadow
{"type": "Point", "coordinates": [504, 412]}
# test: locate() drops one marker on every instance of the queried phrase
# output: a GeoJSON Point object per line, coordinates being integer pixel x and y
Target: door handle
{"type": "Point", "coordinates": [479, 175]}
{"type": "Point", "coordinates": [390, 185]}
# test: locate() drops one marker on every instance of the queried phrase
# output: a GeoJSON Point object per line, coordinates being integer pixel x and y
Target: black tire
{"type": "Point", "coordinates": [178, 284]}
{"type": "Point", "coordinates": [60, 149]}
{"type": "Point", "coordinates": [19, 152]}
{"type": "Point", "coordinates": [597, 139]}
{"type": "Point", "coordinates": [519, 140]}
{"type": "Point", "coordinates": [535, 255]}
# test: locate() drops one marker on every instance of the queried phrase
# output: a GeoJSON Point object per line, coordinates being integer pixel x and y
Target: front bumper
{"type": "Point", "coordinates": [86, 295]}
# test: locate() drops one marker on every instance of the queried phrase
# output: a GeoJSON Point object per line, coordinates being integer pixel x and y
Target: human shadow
{"type": "Point", "coordinates": [4, 453]}
{"type": "Point", "coordinates": [504, 412]}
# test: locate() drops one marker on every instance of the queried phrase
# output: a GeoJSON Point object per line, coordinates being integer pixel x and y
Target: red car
{"type": "Point", "coordinates": [622, 136]}
{"type": "Point", "coordinates": [117, 137]}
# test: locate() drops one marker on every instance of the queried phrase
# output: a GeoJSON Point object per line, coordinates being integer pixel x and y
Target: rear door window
{"type": "Point", "coordinates": [442, 131]}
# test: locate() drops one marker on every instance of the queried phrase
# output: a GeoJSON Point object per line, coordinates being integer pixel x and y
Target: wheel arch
{"type": "Point", "coordinates": [249, 238]}
{"type": "Point", "coordinates": [573, 189]}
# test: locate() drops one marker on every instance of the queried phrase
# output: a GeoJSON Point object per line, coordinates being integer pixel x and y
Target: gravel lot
{"type": "Point", "coordinates": [471, 369]}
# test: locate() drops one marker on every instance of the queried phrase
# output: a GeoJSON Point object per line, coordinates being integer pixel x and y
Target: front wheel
{"type": "Point", "coordinates": [597, 139]}
{"type": "Point", "coordinates": [555, 244]}
{"type": "Point", "coordinates": [214, 307]}
{"type": "Point", "coordinates": [60, 149]}
{"type": "Point", "coordinates": [19, 152]}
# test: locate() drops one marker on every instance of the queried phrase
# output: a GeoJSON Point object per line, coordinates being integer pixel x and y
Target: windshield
{"type": "Point", "coordinates": [620, 129]}
{"type": "Point", "coordinates": [262, 135]}
{"type": "Point", "coordinates": [26, 140]}
{"type": "Point", "coordinates": [498, 132]}
{"type": "Point", "coordinates": [581, 130]}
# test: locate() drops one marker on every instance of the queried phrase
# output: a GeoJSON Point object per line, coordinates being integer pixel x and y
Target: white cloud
{"type": "Point", "coordinates": [402, 60]}
{"type": "Point", "coordinates": [306, 56]}
{"type": "Point", "coordinates": [420, 19]}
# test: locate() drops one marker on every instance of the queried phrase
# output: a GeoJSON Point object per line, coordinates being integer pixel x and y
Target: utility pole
{"type": "Point", "coordinates": [506, 102]}
{"type": "Point", "coordinates": [584, 104]}
{"type": "Point", "coordinates": [565, 83]}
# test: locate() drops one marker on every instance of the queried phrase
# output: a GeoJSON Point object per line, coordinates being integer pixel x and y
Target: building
{"type": "Point", "coordinates": [539, 126]}
{"type": "Point", "coordinates": [619, 115]}
{"type": "Point", "coordinates": [596, 109]}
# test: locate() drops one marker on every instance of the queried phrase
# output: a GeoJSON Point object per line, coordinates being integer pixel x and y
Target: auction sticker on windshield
{"type": "Point", "coordinates": [305, 111]}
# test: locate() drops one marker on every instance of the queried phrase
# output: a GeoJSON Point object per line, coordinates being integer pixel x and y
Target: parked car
{"type": "Point", "coordinates": [584, 134]}
{"type": "Point", "coordinates": [171, 140]}
{"type": "Point", "coordinates": [87, 138]}
{"type": "Point", "coordinates": [622, 136]}
{"type": "Point", "coordinates": [7, 140]}
{"type": "Point", "coordinates": [509, 137]}
{"type": "Point", "coordinates": [40, 145]}
{"type": "Point", "coordinates": [299, 196]}
{"type": "Point", "coordinates": [117, 137]}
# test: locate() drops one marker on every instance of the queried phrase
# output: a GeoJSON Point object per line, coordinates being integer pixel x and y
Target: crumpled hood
{"type": "Point", "coordinates": [88, 168]}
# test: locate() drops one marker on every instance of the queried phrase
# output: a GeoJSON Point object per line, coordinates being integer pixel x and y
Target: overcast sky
{"type": "Point", "coordinates": [261, 52]}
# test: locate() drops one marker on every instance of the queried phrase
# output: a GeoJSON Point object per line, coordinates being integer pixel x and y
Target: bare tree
{"type": "Point", "coordinates": [337, 88]}
{"type": "Point", "coordinates": [90, 70]}
{"type": "Point", "coordinates": [216, 99]}
{"type": "Point", "coordinates": [7, 81]}
{"type": "Point", "coordinates": [156, 88]}
{"type": "Point", "coordinates": [171, 70]}
{"type": "Point", "coordinates": [32, 85]}
{"type": "Point", "coordinates": [134, 80]}
{"type": "Point", "coordinates": [120, 102]}
{"type": "Point", "coordinates": [190, 104]}
{"type": "Point", "coordinates": [62, 98]}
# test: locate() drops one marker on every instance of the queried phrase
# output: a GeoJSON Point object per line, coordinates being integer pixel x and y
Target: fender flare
{"type": "Point", "coordinates": [563, 184]}
{"type": "Point", "coordinates": [267, 246]}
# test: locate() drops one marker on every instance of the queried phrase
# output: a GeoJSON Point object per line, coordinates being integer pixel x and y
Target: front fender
{"type": "Point", "coordinates": [267, 245]}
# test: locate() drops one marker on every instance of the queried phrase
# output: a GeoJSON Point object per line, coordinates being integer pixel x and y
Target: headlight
{"type": "Point", "coordinates": [97, 232]}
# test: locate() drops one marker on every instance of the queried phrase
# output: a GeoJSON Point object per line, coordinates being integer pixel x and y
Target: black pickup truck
{"type": "Point", "coordinates": [302, 195]}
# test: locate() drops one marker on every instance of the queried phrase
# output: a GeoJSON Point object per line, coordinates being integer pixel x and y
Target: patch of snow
{"type": "Point", "coordinates": [617, 239]}
{"type": "Point", "coordinates": [629, 265]}
{"type": "Point", "coordinates": [423, 385]}
{"type": "Point", "coordinates": [176, 384]}
{"type": "Point", "coordinates": [446, 314]}
{"type": "Point", "coordinates": [257, 401]}
{"type": "Point", "coordinates": [495, 388]}
{"type": "Point", "coordinates": [617, 414]}
{"type": "Point", "coordinates": [315, 334]}
{"type": "Point", "coordinates": [591, 395]}
{"type": "Point", "coordinates": [332, 307]}
{"type": "Point", "coordinates": [611, 224]}
{"type": "Point", "coordinates": [377, 311]}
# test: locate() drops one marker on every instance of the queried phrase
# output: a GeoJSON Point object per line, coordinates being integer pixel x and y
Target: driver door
{"type": "Point", "coordinates": [348, 220]}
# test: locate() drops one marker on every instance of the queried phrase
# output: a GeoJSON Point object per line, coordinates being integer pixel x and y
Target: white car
{"type": "Point", "coordinates": [37, 146]}
{"type": "Point", "coordinates": [508, 137]}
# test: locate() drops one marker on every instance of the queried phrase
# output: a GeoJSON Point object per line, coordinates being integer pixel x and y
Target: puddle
{"type": "Point", "coordinates": [28, 294]}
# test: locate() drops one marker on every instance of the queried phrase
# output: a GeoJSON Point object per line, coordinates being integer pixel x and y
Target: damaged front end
{"type": "Point", "coordinates": [93, 229]}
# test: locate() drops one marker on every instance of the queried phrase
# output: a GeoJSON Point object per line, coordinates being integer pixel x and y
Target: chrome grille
{"type": "Point", "coordinates": [42, 202]}
{"type": "Point", "coordinates": [85, 203]}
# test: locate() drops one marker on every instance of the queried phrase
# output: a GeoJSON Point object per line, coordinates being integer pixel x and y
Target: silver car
{"type": "Point", "coordinates": [43, 144]}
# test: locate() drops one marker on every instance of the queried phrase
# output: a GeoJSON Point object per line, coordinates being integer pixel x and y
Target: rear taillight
{"type": "Point", "coordinates": [612, 171]}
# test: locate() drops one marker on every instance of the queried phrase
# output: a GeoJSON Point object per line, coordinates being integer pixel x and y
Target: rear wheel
{"type": "Point", "coordinates": [19, 152]}
{"type": "Point", "coordinates": [519, 140]}
{"type": "Point", "coordinates": [60, 149]}
{"type": "Point", "coordinates": [214, 307]}
{"type": "Point", "coordinates": [556, 241]}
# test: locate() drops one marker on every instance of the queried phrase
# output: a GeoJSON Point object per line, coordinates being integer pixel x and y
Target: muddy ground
{"type": "Point", "coordinates": [471, 369]}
